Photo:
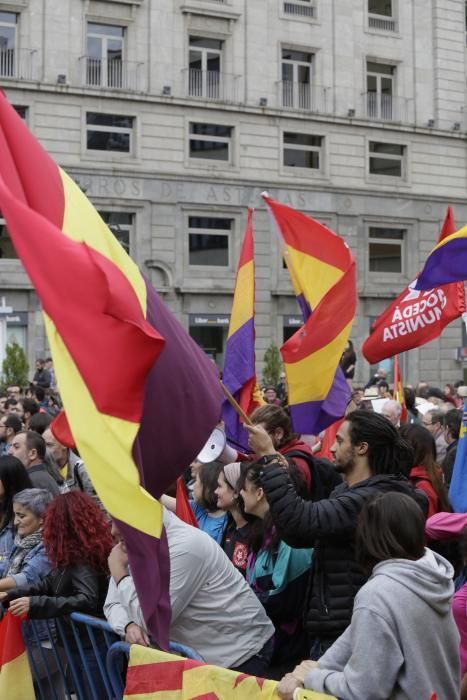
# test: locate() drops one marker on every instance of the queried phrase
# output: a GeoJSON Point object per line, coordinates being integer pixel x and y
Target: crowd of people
{"type": "Point", "coordinates": [340, 571]}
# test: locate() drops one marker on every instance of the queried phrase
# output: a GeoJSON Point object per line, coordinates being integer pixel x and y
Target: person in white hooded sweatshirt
{"type": "Point", "coordinates": [402, 642]}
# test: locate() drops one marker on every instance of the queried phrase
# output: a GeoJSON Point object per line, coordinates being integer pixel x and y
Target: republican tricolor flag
{"type": "Point", "coordinates": [140, 397]}
{"type": "Point", "coordinates": [416, 316]}
{"type": "Point", "coordinates": [398, 390]}
{"type": "Point", "coordinates": [322, 269]}
{"type": "Point", "coordinates": [239, 375]}
{"type": "Point", "coordinates": [15, 673]}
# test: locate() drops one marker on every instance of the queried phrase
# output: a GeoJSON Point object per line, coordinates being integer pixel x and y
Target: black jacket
{"type": "Point", "coordinates": [328, 526]}
{"type": "Point", "coordinates": [74, 589]}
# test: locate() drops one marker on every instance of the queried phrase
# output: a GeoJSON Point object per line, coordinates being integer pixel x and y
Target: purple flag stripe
{"type": "Point", "coordinates": [444, 265]}
{"type": "Point", "coordinates": [182, 402]}
{"type": "Point", "coordinates": [239, 367]}
{"type": "Point", "coordinates": [182, 405]}
{"type": "Point", "coordinates": [314, 416]}
{"type": "Point", "coordinates": [304, 307]}
{"type": "Point", "coordinates": [150, 568]}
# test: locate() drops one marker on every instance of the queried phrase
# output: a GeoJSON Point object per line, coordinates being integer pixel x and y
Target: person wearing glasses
{"type": "Point", "coordinates": [433, 421]}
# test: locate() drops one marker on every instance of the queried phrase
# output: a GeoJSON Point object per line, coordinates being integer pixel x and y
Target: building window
{"type": "Point", "coordinates": [387, 159]}
{"type": "Point", "coordinates": [210, 141]}
{"type": "Point", "coordinates": [299, 8]}
{"type": "Point", "coordinates": [121, 225]}
{"type": "Point", "coordinates": [302, 151]}
{"type": "Point", "coordinates": [104, 58]}
{"type": "Point", "coordinates": [7, 249]}
{"type": "Point", "coordinates": [22, 111]}
{"type": "Point", "coordinates": [8, 24]}
{"type": "Point", "coordinates": [380, 90]}
{"type": "Point", "coordinates": [381, 15]}
{"type": "Point", "coordinates": [205, 66]}
{"type": "Point", "coordinates": [109, 132]}
{"type": "Point", "coordinates": [296, 79]}
{"type": "Point", "coordinates": [385, 249]}
{"type": "Point", "coordinates": [209, 240]}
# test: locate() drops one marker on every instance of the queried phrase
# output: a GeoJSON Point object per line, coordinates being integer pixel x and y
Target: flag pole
{"type": "Point", "coordinates": [236, 405]}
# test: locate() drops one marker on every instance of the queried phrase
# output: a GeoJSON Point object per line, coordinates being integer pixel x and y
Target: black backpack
{"type": "Point", "coordinates": [324, 477]}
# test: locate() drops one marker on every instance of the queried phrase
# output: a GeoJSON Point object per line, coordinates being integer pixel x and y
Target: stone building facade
{"type": "Point", "coordinates": [174, 115]}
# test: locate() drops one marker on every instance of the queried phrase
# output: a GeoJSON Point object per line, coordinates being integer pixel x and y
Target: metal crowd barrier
{"type": "Point", "coordinates": [87, 663]}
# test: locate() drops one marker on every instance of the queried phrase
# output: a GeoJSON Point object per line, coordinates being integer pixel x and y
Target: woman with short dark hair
{"type": "Point", "coordinates": [402, 642]}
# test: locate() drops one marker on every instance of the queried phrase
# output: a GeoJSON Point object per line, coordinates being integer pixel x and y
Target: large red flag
{"type": "Point", "coordinates": [415, 317]}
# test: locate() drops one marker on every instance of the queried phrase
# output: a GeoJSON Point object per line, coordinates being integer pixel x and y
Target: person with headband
{"type": "Point", "coordinates": [235, 539]}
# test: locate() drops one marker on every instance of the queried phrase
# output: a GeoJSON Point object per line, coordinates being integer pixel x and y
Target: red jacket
{"type": "Point", "coordinates": [302, 464]}
{"type": "Point", "coordinates": [422, 480]}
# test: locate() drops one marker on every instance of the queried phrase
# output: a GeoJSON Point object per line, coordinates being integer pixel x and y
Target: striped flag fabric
{"type": "Point", "coordinates": [125, 367]}
{"type": "Point", "coordinates": [239, 375]}
{"type": "Point", "coordinates": [15, 673]}
{"type": "Point", "coordinates": [457, 488]}
{"type": "Point", "coordinates": [323, 275]}
{"type": "Point", "coordinates": [398, 390]}
{"type": "Point", "coordinates": [447, 261]}
{"type": "Point", "coordinates": [156, 675]}
{"type": "Point", "coordinates": [415, 317]}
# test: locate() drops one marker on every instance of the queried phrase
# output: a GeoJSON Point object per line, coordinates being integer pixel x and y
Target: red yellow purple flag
{"type": "Point", "coordinates": [398, 390]}
{"type": "Point", "coordinates": [415, 317]}
{"type": "Point", "coordinates": [156, 675]}
{"type": "Point", "coordinates": [323, 275]}
{"type": "Point", "coordinates": [118, 353]}
{"type": "Point", "coordinates": [239, 374]}
{"type": "Point", "coordinates": [15, 673]}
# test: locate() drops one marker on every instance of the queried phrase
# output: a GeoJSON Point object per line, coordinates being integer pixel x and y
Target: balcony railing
{"type": "Point", "coordinates": [18, 64]}
{"type": "Point", "coordinates": [211, 85]}
{"type": "Point", "coordinates": [114, 74]}
{"type": "Point", "coordinates": [299, 8]}
{"type": "Point", "coordinates": [303, 96]}
{"type": "Point", "coordinates": [382, 24]}
{"type": "Point", "coordinates": [386, 108]}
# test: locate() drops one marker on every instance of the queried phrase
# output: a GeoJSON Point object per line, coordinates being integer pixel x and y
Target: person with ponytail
{"type": "Point", "coordinates": [372, 458]}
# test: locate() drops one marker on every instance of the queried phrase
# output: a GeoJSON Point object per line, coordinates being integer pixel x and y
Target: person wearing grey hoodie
{"type": "Point", "coordinates": [402, 643]}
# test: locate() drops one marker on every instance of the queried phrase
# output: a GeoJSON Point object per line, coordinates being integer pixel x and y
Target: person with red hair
{"type": "Point", "coordinates": [77, 541]}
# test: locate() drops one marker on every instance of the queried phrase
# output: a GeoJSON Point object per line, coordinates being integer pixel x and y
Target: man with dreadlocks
{"type": "Point", "coordinates": [371, 456]}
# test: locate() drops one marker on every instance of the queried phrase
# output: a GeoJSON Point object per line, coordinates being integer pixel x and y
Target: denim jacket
{"type": "Point", "coordinates": [7, 538]}
{"type": "Point", "coordinates": [35, 566]}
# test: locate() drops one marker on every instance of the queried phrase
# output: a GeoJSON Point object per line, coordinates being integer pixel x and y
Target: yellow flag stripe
{"type": "Point", "coordinates": [105, 444]}
{"type": "Point", "coordinates": [312, 276]}
{"type": "Point", "coordinates": [243, 302]}
{"type": "Point", "coordinates": [81, 222]}
{"type": "Point", "coordinates": [319, 369]}
{"type": "Point", "coordinates": [16, 679]}
{"type": "Point", "coordinates": [461, 233]}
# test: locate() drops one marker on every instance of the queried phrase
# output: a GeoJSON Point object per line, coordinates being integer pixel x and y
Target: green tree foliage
{"type": "Point", "coordinates": [272, 365]}
{"type": "Point", "coordinates": [15, 365]}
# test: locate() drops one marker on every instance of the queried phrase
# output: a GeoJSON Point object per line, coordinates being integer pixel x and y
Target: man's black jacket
{"type": "Point", "coordinates": [328, 526]}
